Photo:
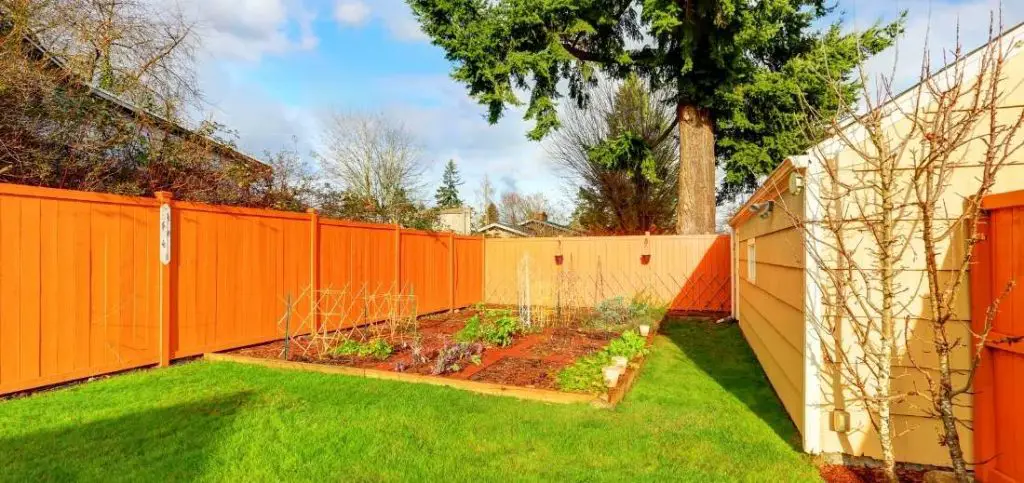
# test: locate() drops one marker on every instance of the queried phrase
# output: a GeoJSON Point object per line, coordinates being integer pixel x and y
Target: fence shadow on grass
{"type": "Point", "coordinates": [159, 444]}
{"type": "Point", "coordinates": [721, 352]}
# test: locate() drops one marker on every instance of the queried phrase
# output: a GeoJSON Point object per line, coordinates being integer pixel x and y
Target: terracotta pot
{"type": "Point", "coordinates": [558, 259]}
{"type": "Point", "coordinates": [645, 259]}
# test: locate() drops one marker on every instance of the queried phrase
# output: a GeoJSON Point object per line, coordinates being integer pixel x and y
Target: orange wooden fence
{"type": "Point", "coordinates": [998, 397]}
{"type": "Point", "coordinates": [83, 291]}
{"type": "Point", "coordinates": [687, 273]}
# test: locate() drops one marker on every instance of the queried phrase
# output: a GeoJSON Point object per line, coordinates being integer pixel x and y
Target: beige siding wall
{"type": "Point", "coordinates": [917, 430]}
{"type": "Point", "coordinates": [771, 312]}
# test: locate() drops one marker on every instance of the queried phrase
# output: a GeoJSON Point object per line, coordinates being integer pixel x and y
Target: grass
{"type": "Point", "coordinates": [701, 411]}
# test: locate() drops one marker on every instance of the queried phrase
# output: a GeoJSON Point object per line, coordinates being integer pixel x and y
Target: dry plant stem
{"type": "Point", "coordinates": [964, 108]}
{"type": "Point", "coordinates": [895, 193]}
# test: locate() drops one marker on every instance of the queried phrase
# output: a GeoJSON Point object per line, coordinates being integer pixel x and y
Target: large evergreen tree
{"type": "Point", "coordinates": [743, 73]}
{"type": "Point", "coordinates": [447, 195]}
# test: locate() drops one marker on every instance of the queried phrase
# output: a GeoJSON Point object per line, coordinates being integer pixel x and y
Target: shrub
{"type": "Point", "coordinates": [613, 311]}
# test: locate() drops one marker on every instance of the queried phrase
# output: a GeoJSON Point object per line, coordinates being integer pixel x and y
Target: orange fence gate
{"type": "Point", "coordinates": [689, 273]}
{"type": "Point", "coordinates": [85, 288]}
{"type": "Point", "coordinates": [998, 394]}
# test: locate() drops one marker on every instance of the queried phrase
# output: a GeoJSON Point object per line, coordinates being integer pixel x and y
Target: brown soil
{"type": "Point", "coordinates": [533, 360]}
{"type": "Point", "coordinates": [570, 344]}
{"type": "Point", "coordinates": [865, 474]}
{"type": "Point", "coordinates": [516, 371]}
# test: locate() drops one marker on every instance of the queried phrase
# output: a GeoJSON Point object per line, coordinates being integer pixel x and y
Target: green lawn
{"type": "Point", "coordinates": [701, 411]}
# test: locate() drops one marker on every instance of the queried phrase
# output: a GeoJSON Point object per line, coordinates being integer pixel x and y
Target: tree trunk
{"type": "Point", "coordinates": [695, 213]}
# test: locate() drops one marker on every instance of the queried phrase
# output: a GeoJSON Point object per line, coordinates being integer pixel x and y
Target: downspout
{"type": "Point", "coordinates": [734, 281]}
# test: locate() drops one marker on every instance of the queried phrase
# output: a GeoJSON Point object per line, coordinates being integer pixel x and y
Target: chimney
{"type": "Point", "coordinates": [541, 216]}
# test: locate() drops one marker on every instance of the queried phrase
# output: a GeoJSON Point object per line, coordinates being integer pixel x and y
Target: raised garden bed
{"type": "Point", "coordinates": [486, 349]}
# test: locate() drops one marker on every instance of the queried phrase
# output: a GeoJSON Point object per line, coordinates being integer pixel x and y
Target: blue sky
{"type": "Point", "coordinates": [270, 69]}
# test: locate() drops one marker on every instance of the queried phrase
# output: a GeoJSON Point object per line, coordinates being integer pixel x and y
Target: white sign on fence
{"type": "Point", "coordinates": [165, 234]}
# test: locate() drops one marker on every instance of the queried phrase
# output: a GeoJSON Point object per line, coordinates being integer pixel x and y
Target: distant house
{"type": "Point", "coordinates": [535, 227]}
{"type": "Point", "coordinates": [458, 220]}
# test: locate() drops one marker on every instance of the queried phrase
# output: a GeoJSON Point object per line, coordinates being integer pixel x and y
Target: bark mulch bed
{"type": "Point", "coordinates": [532, 360]}
{"type": "Point", "coordinates": [867, 474]}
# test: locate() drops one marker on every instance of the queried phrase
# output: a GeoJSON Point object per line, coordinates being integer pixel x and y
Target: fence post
{"type": "Point", "coordinates": [166, 276]}
{"type": "Point", "coordinates": [483, 269]}
{"type": "Point", "coordinates": [451, 271]}
{"type": "Point", "coordinates": [314, 268]}
{"type": "Point", "coordinates": [398, 259]}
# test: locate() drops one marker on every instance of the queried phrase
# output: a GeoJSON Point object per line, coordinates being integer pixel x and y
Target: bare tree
{"type": "Point", "coordinates": [374, 159]}
{"type": "Point", "coordinates": [968, 127]}
{"type": "Point", "coordinates": [893, 199]}
{"type": "Point", "coordinates": [140, 50]}
{"type": "Point", "coordinates": [485, 199]}
{"type": "Point", "coordinates": [634, 191]}
{"type": "Point", "coordinates": [515, 207]}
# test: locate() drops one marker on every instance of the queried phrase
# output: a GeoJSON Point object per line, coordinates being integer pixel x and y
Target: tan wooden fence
{"type": "Point", "coordinates": [688, 273]}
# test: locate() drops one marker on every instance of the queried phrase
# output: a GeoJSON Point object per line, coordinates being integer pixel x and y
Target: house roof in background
{"type": "Point", "coordinates": [131, 108]}
{"type": "Point", "coordinates": [502, 227]}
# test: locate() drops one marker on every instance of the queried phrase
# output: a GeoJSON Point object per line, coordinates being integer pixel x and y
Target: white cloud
{"type": "Point", "coordinates": [249, 29]}
{"type": "Point", "coordinates": [935, 25]}
{"type": "Point", "coordinates": [396, 16]}
{"type": "Point", "coordinates": [349, 12]}
{"type": "Point", "coordinates": [450, 125]}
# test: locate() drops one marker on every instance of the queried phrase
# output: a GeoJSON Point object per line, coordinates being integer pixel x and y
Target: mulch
{"type": "Point", "coordinates": [866, 474]}
{"type": "Point", "coordinates": [533, 360]}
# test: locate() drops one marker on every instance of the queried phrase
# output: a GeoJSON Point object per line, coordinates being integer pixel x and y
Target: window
{"type": "Point", "coordinates": [751, 261]}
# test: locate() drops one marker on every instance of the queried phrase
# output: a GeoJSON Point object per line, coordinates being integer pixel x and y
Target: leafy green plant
{"type": "Point", "coordinates": [501, 330]}
{"type": "Point", "coordinates": [347, 348]}
{"type": "Point", "coordinates": [471, 331]}
{"type": "Point", "coordinates": [630, 345]}
{"type": "Point", "coordinates": [585, 375]}
{"type": "Point", "coordinates": [378, 349]}
{"type": "Point", "coordinates": [497, 327]}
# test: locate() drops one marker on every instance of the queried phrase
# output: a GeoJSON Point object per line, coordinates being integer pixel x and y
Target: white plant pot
{"type": "Point", "coordinates": [620, 361]}
{"type": "Point", "coordinates": [645, 329]}
{"type": "Point", "coordinates": [611, 375]}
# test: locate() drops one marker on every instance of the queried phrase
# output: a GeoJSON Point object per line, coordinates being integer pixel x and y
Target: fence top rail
{"type": "Point", "coordinates": [357, 224]}
{"type": "Point", "coordinates": [27, 191]}
{"type": "Point", "coordinates": [239, 210]}
{"type": "Point", "coordinates": [714, 236]}
{"type": "Point", "coordinates": [1003, 200]}
{"type": "Point", "coordinates": [71, 195]}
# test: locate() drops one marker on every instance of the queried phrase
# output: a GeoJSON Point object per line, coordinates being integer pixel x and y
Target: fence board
{"type": "Point", "coordinates": [76, 280]}
{"type": "Point", "coordinates": [688, 273]}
